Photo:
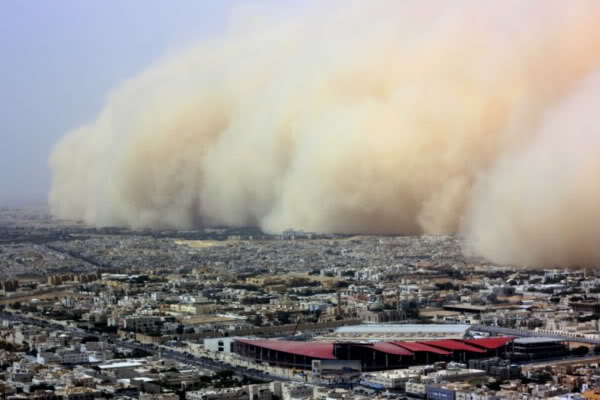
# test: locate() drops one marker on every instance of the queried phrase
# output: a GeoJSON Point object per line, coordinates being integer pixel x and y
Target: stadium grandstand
{"type": "Point", "coordinates": [373, 356]}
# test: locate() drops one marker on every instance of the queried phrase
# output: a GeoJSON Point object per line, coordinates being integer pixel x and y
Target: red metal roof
{"type": "Point", "coordinates": [491, 343]}
{"type": "Point", "coordinates": [323, 350]}
{"type": "Point", "coordinates": [452, 345]}
{"type": "Point", "coordinates": [319, 350]}
{"type": "Point", "coordinates": [420, 347]}
{"type": "Point", "coordinates": [389, 348]}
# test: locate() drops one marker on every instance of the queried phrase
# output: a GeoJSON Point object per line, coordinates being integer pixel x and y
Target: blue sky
{"type": "Point", "coordinates": [59, 59]}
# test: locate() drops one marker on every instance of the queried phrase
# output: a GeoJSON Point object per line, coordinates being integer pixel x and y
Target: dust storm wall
{"type": "Point", "coordinates": [471, 117]}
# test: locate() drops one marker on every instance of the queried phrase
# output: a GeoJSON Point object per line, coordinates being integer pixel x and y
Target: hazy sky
{"type": "Point", "coordinates": [60, 58]}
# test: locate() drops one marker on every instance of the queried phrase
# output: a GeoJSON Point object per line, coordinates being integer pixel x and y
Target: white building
{"type": "Point", "coordinates": [415, 388]}
{"type": "Point", "coordinates": [19, 374]}
{"type": "Point", "coordinates": [402, 331]}
{"type": "Point", "coordinates": [222, 344]}
{"type": "Point", "coordinates": [394, 379]}
{"type": "Point", "coordinates": [240, 393]}
{"type": "Point", "coordinates": [47, 357]}
{"type": "Point", "coordinates": [74, 357]}
{"type": "Point", "coordinates": [260, 392]}
{"type": "Point", "coordinates": [157, 296]}
{"type": "Point", "coordinates": [451, 375]}
{"type": "Point", "coordinates": [296, 391]}
{"type": "Point", "coordinates": [142, 324]}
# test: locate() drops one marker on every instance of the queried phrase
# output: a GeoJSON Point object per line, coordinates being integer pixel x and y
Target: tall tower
{"type": "Point", "coordinates": [339, 303]}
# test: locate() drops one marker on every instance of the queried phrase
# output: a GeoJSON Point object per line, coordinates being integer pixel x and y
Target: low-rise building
{"type": "Point", "coordinates": [394, 379]}
{"type": "Point", "coordinates": [240, 393]}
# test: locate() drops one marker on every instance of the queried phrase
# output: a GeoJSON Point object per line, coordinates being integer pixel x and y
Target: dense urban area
{"type": "Point", "coordinates": [232, 313]}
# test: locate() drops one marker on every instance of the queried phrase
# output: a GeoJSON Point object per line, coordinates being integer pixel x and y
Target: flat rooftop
{"type": "Point", "coordinates": [124, 364]}
{"type": "Point", "coordinates": [395, 373]}
{"type": "Point", "coordinates": [405, 328]}
{"type": "Point", "coordinates": [532, 340]}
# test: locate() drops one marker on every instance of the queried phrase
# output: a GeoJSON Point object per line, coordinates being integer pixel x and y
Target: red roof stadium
{"type": "Point", "coordinates": [454, 345]}
{"type": "Point", "coordinates": [389, 348]}
{"type": "Point", "coordinates": [492, 343]}
{"type": "Point", "coordinates": [373, 356]}
{"type": "Point", "coordinates": [320, 350]}
{"type": "Point", "coordinates": [420, 347]}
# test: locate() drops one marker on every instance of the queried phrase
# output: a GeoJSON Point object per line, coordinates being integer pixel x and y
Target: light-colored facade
{"type": "Point", "coordinates": [225, 394]}
{"type": "Point", "coordinates": [222, 344]}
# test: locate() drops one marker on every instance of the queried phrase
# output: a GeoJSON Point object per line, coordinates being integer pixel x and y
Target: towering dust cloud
{"type": "Point", "coordinates": [477, 117]}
